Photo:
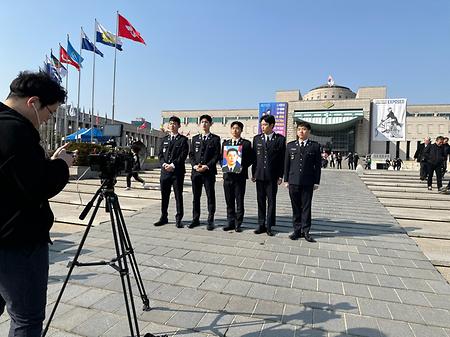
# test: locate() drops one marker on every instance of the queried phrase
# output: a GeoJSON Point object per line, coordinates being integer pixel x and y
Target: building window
{"type": "Point", "coordinates": [387, 147]}
{"type": "Point", "coordinates": [165, 120]}
{"type": "Point", "coordinates": [217, 120]}
{"type": "Point", "coordinates": [192, 120]}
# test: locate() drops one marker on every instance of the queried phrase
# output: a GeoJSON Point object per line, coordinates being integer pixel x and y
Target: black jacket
{"type": "Point", "coordinates": [248, 156]}
{"type": "Point", "coordinates": [422, 153]}
{"type": "Point", "coordinates": [435, 154]}
{"type": "Point", "coordinates": [28, 180]}
{"type": "Point", "coordinates": [175, 152]}
{"type": "Point", "coordinates": [269, 158]}
{"type": "Point", "coordinates": [205, 153]}
{"type": "Point", "coordinates": [302, 166]}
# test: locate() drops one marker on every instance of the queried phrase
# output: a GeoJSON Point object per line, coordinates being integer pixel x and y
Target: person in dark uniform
{"type": "Point", "coordinates": [173, 151]}
{"type": "Point", "coordinates": [435, 162]}
{"type": "Point", "coordinates": [350, 160]}
{"type": "Point", "coordinates": [302, 171]}
{"type": "Point", "coordinates": [267, 171]}
{"type": "Point", "coordinates": [234, 183]}
{"type": "Point", "coordinates": [204, 155]}
{"type": "Point", "coordinates": [421, 156]}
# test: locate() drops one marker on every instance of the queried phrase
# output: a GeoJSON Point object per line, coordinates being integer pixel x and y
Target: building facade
{"type": "Point", "coordinates": [341, 120]}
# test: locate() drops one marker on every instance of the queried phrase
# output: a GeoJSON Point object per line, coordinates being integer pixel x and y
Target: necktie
{"type": "Point", "coordinates": [267, 139]}
{"type": "Point", "coordinates": [204, 138]}
{"type": "Point", "coordinates": [234, 142]}
{"type": "Point", "coordinates": [302, 144]}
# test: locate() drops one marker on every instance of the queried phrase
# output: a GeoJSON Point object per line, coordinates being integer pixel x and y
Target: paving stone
{"type": "Point", "coordinates": [317, 272]}
{"type": "Point", "coordinates": [268, 310]}
{"type": "Point", "coordinates": [412, 297]}
{"type": "Point", "coordinates": [257, 276]}
{"type": "Point", "coordinates": [427, 331]}
{"type": "Point", "coordinates": [262, 291]}
{"type": "Point", "coordinates": [240, 305]}
{"type": "Point", "coordinates": [192, 280]}
{"type": "Point", "coordinates": [245, 326]}
{"type": "Point", "coordinates": [436, 317]}
{"type": "Point", "coordinates": [365, 278]}
{"type": "Point", "coordinates": [344, 303]}
{"type": "Point", "coordinates": [90, 297]}
{"type": "Point", "coordinates": [276, 329]}
{"type": "Point", "coordinates": [189, 296]}
{"type": "Point", "coordinates": [186, 318]}
{"type": "Point", "coordinates": [341, 275]}
{"type": "Point", "coordinates": [273, 266]}
{"type": "Point", "coordinates": [391, 328]}
{"type": "Point", "coordinates": [280, 280]}
{"type": "Point", "coordinates": [386, 294]}
{"type": "Point", "coordinates": [416, 284]}
{"type": "Point", "coordinates": [374, 308]}
{"type": "Point", "coordinates": [313, 299]}
{"type": "Point", "coordinates": [293, 269]}
{"type": "Point", "coordinates": [96, 324]}
{"type": "Point", "coordinates": [358, 290]}
{"type": "Point", "coordinates": [328, 320]}
{"type": "Point", "coordinates": [438, 301]}
{"type": "Point", "coordinates": [215, 324]}
{"type": "Point", "coordinates": [290, 296]}
{"type": "Point", "coordinates": [403, 312]}
{"type": "Point", "coordinates": [362, 326]}
{"type": "Point", "coordinates": [440, 287]}
{"type": "Point", "coordinates": [170, 276]}
{"type": "Point", "coordinates": [166, 293]}
{"type": "Point", "coordinates": [73, 318]}
{"type": "Point", "coordinates": [214, 301]}
{"type": "Point", "coordinates": [237, 288]}
{"type": "Point", "coordinates": [390, 281]}
{"type": "Point", "coordinates": [160, 313]}
{"type": "Point", "coordinates": [214, 284]}
{"type": "Point", "coordinates": [251, 263]}
{"type": "Point", "coordinates": [330, 286]}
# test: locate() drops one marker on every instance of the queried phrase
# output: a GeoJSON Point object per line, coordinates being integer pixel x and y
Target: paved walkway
{"type": "Point", "coordinates": [363, 277]}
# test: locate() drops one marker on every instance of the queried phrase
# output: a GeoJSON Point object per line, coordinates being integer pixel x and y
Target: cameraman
{"type": "Point", "coordinates": [136, 167]}
{"type": "Point", "coordinates": [28, 180]}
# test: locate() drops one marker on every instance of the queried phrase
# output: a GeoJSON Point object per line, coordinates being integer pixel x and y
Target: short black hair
{"type": "Point", "coordinates": [232, 149]}
{"type": "Point", "coordinates": [207, 117]}
{"type": "Point", "coordinates": [40, 84]}
{"type": "Point", "coordinates": [175, 119]}
{"type": "Point", "coordinates": [238, 124]}
{"type": "Point", "coordinates": [439, 137]}
{"type": "Point", "coordinates": [304, 124]}
{"type": "Point", "coordinates": [269, 119]}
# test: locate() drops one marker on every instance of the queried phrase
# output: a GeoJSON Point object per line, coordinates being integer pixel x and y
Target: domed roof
{"type": "Point", "coordinates": [326, 92]}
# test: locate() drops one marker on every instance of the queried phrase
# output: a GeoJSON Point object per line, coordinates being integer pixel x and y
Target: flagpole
{"type": "Point", "coordinates": [79, 84]}
{"type": "Point", "coordinates": [93, 80]}
{"type": "Point", "coordinates": [67, 95]}
{"type": "Point", "coordinates": [114, 73]}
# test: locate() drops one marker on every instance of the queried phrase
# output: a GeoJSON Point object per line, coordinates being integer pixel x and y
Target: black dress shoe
{"type": "Point", "coordinates": [179, 224]}
{"type": "Point", "coordinates": [238, 229]}
{"type": "Point", "coordinates": [193, 224]}
{"type": "Point", "coordinates": [269, 232]}
{"type": "Point", "coordinates": [260, 230]}
{"type": "Point", "coordinates": [210, 226]}
{"type": "Point", "coordinates": [309, 238]}
{"type": "Point", "coordinates": [161, 222]}
{"type": "Point", "coordinates": [295, 236]}
{"type": "Point", "coordinates": [229, 227]}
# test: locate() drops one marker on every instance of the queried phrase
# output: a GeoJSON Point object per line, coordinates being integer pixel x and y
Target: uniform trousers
{"type": "Point", "coordinates": [301, 200]}
{"type": "Point", "coordinates": [266, 192]}
{"type": "Point", "coordinates": [167, 182]}
{"type": "Point", "coordinates": [438, 169]}
{"type": "Point", "coordinates": [234, 189]}
{"type": "Point", "coordinates": [208, 181]}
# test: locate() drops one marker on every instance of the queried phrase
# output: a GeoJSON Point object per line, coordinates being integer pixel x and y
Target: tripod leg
{"type": "Point", "coordinates": [121, 253]}
{"type": "Point", "coordinates": [133, 262]}
{"type": "Point", "coordinates": [73, 263]}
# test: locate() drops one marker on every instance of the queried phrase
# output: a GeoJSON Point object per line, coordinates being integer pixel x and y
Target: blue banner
{"type": "Point", "coordinates": [279, 111]}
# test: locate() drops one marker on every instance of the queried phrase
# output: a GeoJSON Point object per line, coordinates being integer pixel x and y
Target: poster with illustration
{"type": "Point", "coordinates": [232, 159]}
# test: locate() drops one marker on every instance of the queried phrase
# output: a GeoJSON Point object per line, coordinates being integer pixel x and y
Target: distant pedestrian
{"type": "Point", "coordinates": [355, 160]}
{"type": "Point", "coordinates": [332, 159]}
{"type": "Point", "coordinates": [134, 171]}
{"type": "Point", "coordinates": [339, 161]}
{"type": "Point", "coordinates": [368, 160]}
{"type": "Point", "coordinates": [350, 161]}
{"type": "Point", "coordinates": [421, 156]}
{"type": "Point", "coordinates": [398, 164]}
{"type": "Point", "coordinates": [435, 162]}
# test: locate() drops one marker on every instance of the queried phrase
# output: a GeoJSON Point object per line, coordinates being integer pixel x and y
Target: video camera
{"type": "Point", "coordinates": [113, 162]}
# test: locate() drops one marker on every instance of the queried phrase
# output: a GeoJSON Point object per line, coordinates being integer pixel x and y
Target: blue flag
{"type": "Point", "coordinates": [105, 37]}
{"type": "Point", "coordinates": [88, 45]}
{"type": "Point", "coordinates": [73, 54]}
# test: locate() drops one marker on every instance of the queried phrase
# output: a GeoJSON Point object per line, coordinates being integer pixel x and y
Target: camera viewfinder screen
{"type": "Point", "coordinates": [112, 130]}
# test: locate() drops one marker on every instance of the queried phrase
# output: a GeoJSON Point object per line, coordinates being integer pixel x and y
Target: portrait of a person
{"type": "Point", "coordinates": [232, 164]}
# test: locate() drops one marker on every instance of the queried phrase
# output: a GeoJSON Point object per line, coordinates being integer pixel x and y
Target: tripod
{"type": "Point", "coordinates": [124, 254]}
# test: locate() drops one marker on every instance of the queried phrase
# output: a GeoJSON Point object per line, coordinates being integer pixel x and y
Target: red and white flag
{"type": "Point", "coordinates": [65, 58]}
{"type": "Point", "coordinates": [127, 31]}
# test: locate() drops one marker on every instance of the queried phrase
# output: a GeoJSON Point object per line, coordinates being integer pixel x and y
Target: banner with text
{"type": "Point", "coordinates": [279, 111]}
{"type": "Point", "coordinates": [389, 119]}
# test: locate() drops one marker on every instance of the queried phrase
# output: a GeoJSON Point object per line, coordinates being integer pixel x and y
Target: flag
{"type": "Point", "coordinates": [58, 65]}
{"type": "Point", "coordinates": [127, 31]}
{"type": "Point", "coordinates": [65, 58]}
{"type": "Point", "coordinates": [73, 53]}
{"type": "Point", "coordinates": [143, 126]}
{"type": "Point", "coordinates": [88, 45]}
{"type": "Point", "coordinates": [330, 81]}
{"type": "Point", "coordinates": [51, 70]}
{"type": "Point", "coordinates": [105, 37]}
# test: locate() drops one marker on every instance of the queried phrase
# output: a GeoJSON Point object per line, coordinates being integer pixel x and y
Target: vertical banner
{"type": "Point", "coordinates": [279, 111]}
{"type": "Point", "coordinates": [389, 119]}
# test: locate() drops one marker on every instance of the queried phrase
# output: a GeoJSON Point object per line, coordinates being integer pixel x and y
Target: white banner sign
{"type": "Point", "coordinates": [389, 119]}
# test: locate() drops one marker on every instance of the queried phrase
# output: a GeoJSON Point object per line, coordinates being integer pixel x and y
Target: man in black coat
{"type": "Point", "coordinates": [173, 151]}
{"type": "Point", "coordinates": [267, 171]}
{"type": "Point", "coordinates": [234, 183]}
{"type": "Point", "coordinates": [421, 155]}
{"type": "Point", "coordinates": [204, 155]}
{"type": "Point", "coordinates": [302, 175]}
{"type": "Point", "coordinates": [435, 155]}
{"type": "Point", "coordinates": [28, 179]}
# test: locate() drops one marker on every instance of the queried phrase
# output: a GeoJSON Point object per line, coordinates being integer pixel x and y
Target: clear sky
{"type": "Point", "coordinates": [211, 54]}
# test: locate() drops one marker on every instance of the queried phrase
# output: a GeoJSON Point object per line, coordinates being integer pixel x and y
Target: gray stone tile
{"type": "Point", "coordinates": [96, 324]}
{"type": "Point", "coordinates": [214, 284]}
{"type": "Point", "coordinates": [72, 318]}
{"type": "Point", "coordinates": [358, 290]}
{"type": "Point", "coordinates": [237, 288]}
{"type": "Point", "coordinates": [213, 270]}
{"type": "Point", "coordinates": [330, 286]}
{"type": "Point", "coordinates": [166, 293]}
{"type": "Point", "coordinates": [374, 308]}
{"type": "Point", "coordinates": [215, 324]}
{"type": "Point", "coordinates": [317, 272]}
{"type": "Point", "coordinates": [294, 269]}
{"type": "Point", "coordinates": [186, 318]}
{"type": "Point", "coordinates": [390, 281]}
{"type": "Point", "coordinates": [214, 301]}
{"type": "Point", "coordinates": [427, 331]}
{"type": "Point", "coordinates": [438, 301]}
{"type": "Point", "coordinates": [245, 326]}
{"type": "Point", "coordinates": [328, 320]}
{"type": "Point", "coordinates": [282, 257]}
{"type": "Point", "coordinates": [240, 305]}
{"type": "Point", "coordinates": [311, 261]}
{"type": "Point", "coordinates": [90, 297]}
{"type": "Point", "coordinates": [192, 280]}
{"type": "Point", "coordinates": [271, 266]}
{"type": "Point", "coordinates": [280, 280]}
{"type": "Point", "coordinates": [309, 332]}
{"type": "Point", "coordinates": [412, 297]}
{"type": "Point", "coordinates": [436, 317]}
{"type": "Point", "coordinates": [189, 296]}
{"type": "Point", "coordinates": [268, 310]}
{"type": "Point", "coordinates": [365, 278]}
{"type": "Point", "coordinates": [362, 326]}
{"type": "Point", "coordinates": [386, 294]}
{"type": "Point", "coordinates": [170, 276]}
{"type": "Point", "coordinates": [329, 263]}
{"type": "Point", "coordinates": [285, 295]}
{"type": "Point", "coordinates": [395, 329]}
{"type": "Point", "coordinates": [251, 263]}
{"type": "Point", "coordinates": [314, 299]}
{"type": "Point", "coordinates": [234, 273]}
{"type": "Point", "coordinates": [160, 313]}
{"type": "Point", "coordinates": [298, 315]}
{"type": "Point", "coordinates": [440, 287]}
{"type": "Point", "coordinates": [257, 276]}
{"type": "Point", "coordinates": [416, 284]}
{"type": "Point", "coordinates": [350, 265]}
{"type": "Point", "coordinates": [307, 283]}
{"type": "Point", "coordinates": [404, 312]}
{"type": "Point", "coordinates": [262, 291]}
{"type": "Point", "coordinates": [373, 268]}
{"type": "Point", "coordinates": [344, 303]}
{"type": "Point", "coordinates": [271, 329]}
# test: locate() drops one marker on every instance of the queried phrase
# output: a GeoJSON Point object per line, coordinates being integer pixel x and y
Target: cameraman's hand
{"type": "Point", "coordinates": [61, 153]}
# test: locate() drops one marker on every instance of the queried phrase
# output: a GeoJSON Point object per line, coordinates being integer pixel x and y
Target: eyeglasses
{"type": "Point", "coordinates": [49, 111]}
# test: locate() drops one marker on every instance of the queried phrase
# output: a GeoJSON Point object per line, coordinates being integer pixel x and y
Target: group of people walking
{"type": "Point", "coordinates": [433, 159]}
{"type": "Point", "coordinates": [272, 161]}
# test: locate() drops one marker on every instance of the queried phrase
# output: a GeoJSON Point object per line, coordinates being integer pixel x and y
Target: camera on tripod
{"type": "Point", "coordinates": [113, 162]}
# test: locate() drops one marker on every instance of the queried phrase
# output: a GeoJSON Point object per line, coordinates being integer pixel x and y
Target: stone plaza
{"type": "Point", "coordinates": [365, 276]}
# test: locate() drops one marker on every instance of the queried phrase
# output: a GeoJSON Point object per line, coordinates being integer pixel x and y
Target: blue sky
{"type": "Point", "coordinates": [205, 54]}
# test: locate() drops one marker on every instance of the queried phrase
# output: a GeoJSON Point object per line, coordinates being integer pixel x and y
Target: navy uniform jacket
{"type": "Point", "coordinates": [174, 152]}
{"type": "Point", "coordinates": [205, 153]}
{"type": "Point", "coordinates": [247, 155]}
{"type": "Point", "coordinates": [269, 158]}
{"type": "Point", "coordinates": [302, 166]}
